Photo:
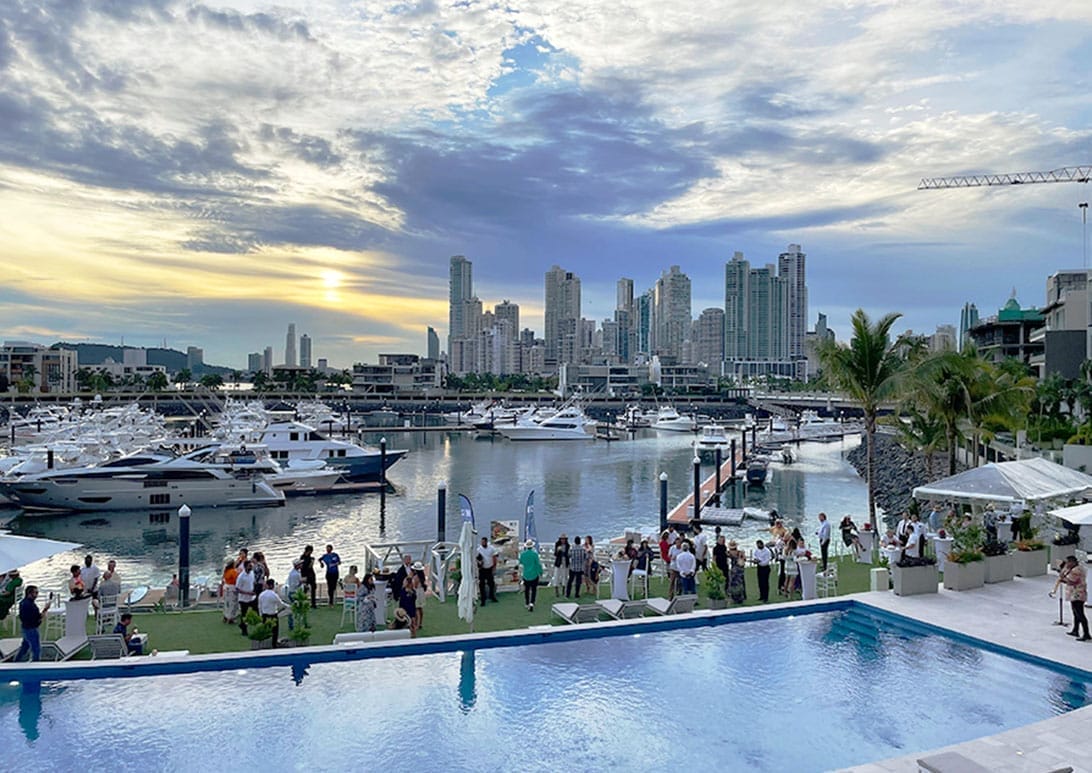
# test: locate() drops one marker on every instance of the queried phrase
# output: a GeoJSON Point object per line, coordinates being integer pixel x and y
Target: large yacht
{"type": "Point", "coordinates": [568, 423]}
{"type": "Point", "coordinates": [712, 437]}
{"type": "Point", "coordinates": [145, 481]}
{"type": "Point", "coordinates": [669, 419]}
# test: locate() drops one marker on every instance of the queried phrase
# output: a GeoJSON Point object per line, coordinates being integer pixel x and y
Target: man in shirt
{"type": "Point", "coordinates": [823, 533]}
{"type": "Point", "coordinates": [487, 562]}
{"type": "Point", "coordinates": [577, 557]}
{"type": "Point", "coordinates": [90, 575]}
{"type": "Point", "coordinates": [134, 647]}
{"type": "Point", "coordinates": [701, 548]}
{"type": "Point", "coordinates": [404, 571]}
{"type": "Point", "coordinates": [244, 587]}
{"type": "Point", "coordinates": [687, 565]}
{"type": "Point", "coordinates": [295, 579]}
{"type": "Point", "coordinates": [763, 557]}
{"type": "Point", "coordinates": [269, 605]}
{"type": "Point", "coordinates": [332, 562]}
{"type": "Point", "coordinates": [31, 619]}
{"type": "Point", "coordinates": [673, 567]}
{"type": "Point", "coordinates": [110, 582]}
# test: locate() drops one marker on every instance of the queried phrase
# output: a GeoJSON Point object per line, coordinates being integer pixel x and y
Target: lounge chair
{"type": "Point", "coordinates": [679, 605]}
{"type": "Point", "coordinates": [64, 648]}
{"type": "Point", "coordinates": [108, 646]}
{"type": "Point", "coordinates": [8, 648]}
{"type": "Point", "coordinates": [577, 613]}
{"type": "Point", "coordinates": [623, 610]}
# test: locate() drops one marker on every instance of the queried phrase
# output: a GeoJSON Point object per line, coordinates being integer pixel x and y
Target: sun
{"type": "Point", "coordinates": [331, 279]}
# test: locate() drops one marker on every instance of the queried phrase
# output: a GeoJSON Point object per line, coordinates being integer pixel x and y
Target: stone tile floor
{"type": "Point", "coordinates": [1017, 614]}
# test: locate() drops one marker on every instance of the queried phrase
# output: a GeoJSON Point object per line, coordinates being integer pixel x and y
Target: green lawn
{"type": "Point", "coordinates": [202, 630]}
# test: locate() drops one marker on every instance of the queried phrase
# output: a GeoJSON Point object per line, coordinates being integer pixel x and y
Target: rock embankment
{"type": "Point", "coordinates": [898, 472]}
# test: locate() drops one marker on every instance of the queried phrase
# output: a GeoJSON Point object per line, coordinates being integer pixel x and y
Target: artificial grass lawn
{"type": "Point", "coordinates": [201, 630]}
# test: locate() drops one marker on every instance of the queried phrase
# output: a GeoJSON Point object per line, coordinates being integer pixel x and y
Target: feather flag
{"type": "Point", "coordinates": [467, 510]}
{"type": "Point", "coordinates": [530, 532]}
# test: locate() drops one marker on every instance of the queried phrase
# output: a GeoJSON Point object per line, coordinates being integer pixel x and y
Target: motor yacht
{"type": "Point", "coordinates": [567, 423]}
{"type": "Point", "coordinates": [713, 436]}
{"type": "Point", "coordinates": [670, 420]}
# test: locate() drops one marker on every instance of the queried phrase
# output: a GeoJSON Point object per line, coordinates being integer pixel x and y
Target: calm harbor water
{"type": "Point", "coordinates": [595, 488]}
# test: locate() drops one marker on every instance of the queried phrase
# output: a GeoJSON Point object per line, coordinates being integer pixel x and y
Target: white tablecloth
{"type": "Point", "coordinates": [942, 547]}
{"type": "Point", "coordinates": [807, 578]}
{"type": "Point", "coordinates": [618, 578]}
{"type": "Point", "coordinates": [865, 538]}
{"type": "Point", "coordinates": [380, 596]}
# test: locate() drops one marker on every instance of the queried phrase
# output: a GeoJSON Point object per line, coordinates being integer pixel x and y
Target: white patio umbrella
{"type": "Point", "coordinates": [16, 552]}
{"type": "Point", "coordinates": [466, 583]}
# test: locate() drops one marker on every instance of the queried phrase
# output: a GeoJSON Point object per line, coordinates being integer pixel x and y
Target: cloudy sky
{"type": "Point", "coordinates": [206, 174]}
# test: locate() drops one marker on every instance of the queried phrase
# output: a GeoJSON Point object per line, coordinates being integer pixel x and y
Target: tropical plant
{"type": "Point", "coordinates": [157, 381]}
{"type": "Point", "coordinates": [256, 628]}
{"type": "Point", "coordinates": [994, 548]}
{"type": "Point", "coordinates": [183, 377]}
{"type": "Point", "coordinates": [212, 381]}
{"type": "Point", "coordinates": [869, 370]}
{"type": "Point", "coordinates": [301, 608]}
{"type": "Point", "coordinates": [712, 583]}
{"type": "Point", "coordinates": [966, 540]}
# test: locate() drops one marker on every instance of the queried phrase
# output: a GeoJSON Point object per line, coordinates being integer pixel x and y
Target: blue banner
{"type": "Point", "coordinates": [529, 530]}
{"type": "Point", "coordinates": [467, 510]}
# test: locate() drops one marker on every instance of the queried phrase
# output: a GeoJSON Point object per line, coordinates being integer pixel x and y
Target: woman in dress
{"type": "Point", "coordinates": [792, 571]}
{"type": "Point", "coordinates": [420, 589]}
{"type": "Point", "coordinates": [850, 536]}
{"type": "Point", "coordinates": [231, 598]}
{"type": "Point", "coordinates": [261, 569]}
{"type": "Point", "coordinates": [737, 587]}
{"type": "Point", "coordinates": [407, 602]}
{"type": "Point", "coordinates": [591, 566]}
{"type": "Point", "coordinates": [307, 571]}
{"type": "Point", "coordinates": [365, 604]}
{"type": "Point", "coordinates": [561, 565]}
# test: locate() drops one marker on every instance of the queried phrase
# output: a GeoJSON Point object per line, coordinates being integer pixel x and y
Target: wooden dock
{"type": "Point", "coordinates": [681, 513]}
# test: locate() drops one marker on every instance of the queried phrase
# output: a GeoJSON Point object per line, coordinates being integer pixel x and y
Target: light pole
{"type": "Point", "coordinates": [1083, 206]}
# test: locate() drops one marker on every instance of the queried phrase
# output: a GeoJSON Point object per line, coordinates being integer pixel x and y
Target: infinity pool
{"type": "Point", "coordinates": [810, 692]}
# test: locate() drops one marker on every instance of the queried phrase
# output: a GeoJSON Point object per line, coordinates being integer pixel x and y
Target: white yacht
{"type": "Point", "coordinates": [143, 481]}
{"type": "Point", "coordinates": [713, 436]}
{"type": "Point", "coordinates": [670, 420]}
{"type": "Point", "coordinates": [568, 423]}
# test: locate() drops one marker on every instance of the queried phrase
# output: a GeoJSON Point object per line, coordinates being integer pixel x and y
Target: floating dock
{"type": "Point", "coordinates": [683, 512]}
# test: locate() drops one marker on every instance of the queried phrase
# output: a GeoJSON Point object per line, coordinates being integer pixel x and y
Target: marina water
{"type": "Point", "coordinates": [596, 488]}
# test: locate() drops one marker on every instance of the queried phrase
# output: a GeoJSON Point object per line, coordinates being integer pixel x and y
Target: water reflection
{"type": "Point", "coordinates": [299, 671]}
{"type": "Point", "coordinates": [468, 682]}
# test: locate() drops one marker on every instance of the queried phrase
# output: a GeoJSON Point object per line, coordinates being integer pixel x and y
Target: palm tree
{"type": "Point", "coordinates": [868, 370]}
{"type": "Point", "coordinates": [157, 381]}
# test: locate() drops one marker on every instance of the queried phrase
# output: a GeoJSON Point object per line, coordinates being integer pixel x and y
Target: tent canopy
{"type": "Point", "coordinates": [16, 552]}
{"type": "Point", "coordinates": [1027, 480]}
{"type": "Point", "coordinates": [1078, 515]}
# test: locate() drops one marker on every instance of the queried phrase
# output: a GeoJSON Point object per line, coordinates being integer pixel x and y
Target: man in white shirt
{"type": "Point", "coordinates": [269, 604]}
{"type": "Point", "coordinates": [763, 557]}
{"type": "Point", "coordinates": [295, 579]}
{"type": "Point", "coordinates": [487, 562]}
{"type": "Point", "coordinates": [687, 566]}
{"type": "Point", "coordinates": [244, 587]}
{"type": "Point", "coordinates": [673, 566]}
{"type": "Point", "coordinates": [701, 548]}
{"type": "Point", "coordinates": [90, 575]}
{"type": "Point", "coordinates": [823, 532]}
{"type": "Point", "coordinates": [903, 528]}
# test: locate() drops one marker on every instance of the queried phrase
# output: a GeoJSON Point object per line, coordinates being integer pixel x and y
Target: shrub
{"type": "Point", "coordinates": [256, 628]}
{"type": "Point", "coordinates": [966, 541]}
{"type": "Point", "coordinates": [995, 548]}
{"type": "Point", "coordinates": [909, 561]}
{"type": "Point", "coordinates": [712, 583]}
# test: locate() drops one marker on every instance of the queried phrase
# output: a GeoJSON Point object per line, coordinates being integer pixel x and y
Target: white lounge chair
{"type": "Point", "coordinates": [679, 605]}
{"type": "Point", "coordinates": [577, 613]}
{"type": "Point", "coordinates": [8, 648]}
{"type": "Point", "coordinates": [63, 648]}
{"type": "Point", "coordinates": [108, 646]}
{"type": "Point", "coordinates": [623, 610]}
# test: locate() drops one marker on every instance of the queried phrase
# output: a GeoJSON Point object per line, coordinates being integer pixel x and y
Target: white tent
{"type": "Point", "coordinates": [1027, 480]}
{"type": "Point", "coordinates": [1078, 515]}
{"type": "Point", "coordinates": [16, 552]}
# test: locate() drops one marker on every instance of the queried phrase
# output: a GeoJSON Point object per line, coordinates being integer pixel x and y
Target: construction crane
{"type": "Point", "coordinates": [1067, 174]}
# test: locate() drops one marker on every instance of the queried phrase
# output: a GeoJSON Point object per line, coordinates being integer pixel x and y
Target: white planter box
{"type": "Point", "coordinates": [1029, 563]}
{"type": "Point", "coordinates": [999, 568]}
{"type": "Point", "coordinates": [914, 580]}
{"type": "Point", "coordinates": [964, 576]}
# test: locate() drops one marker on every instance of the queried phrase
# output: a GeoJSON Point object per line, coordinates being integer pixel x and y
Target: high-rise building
{"type": "Point", "coordinates": [195, 358]}
{"type": "Point", "coordinates": [460, 290]}
{"type": "Point", "coordinates": [508, 312]}
{"type": "Point", "coordinates": [267, 360]}
{"type": "Point", "coordinates": [707, 342]}
{"type": "Point", "coordinates": [944, 340]}
{"type": "Point", "coordinates": [791, 268]}
{"type": "Point", "coordinates": [305, 351]}
{"type": "Point", "coordinates": [642, 322]}
{"type": "Point", "coordinates": [254, 362]}
{"type": "Point", "coordinates": [433, 345]}
{"type": "Point", "coordinates": [672, 313]}
{"type": "Point", "coordinates": [466, 349]}
{"type": "Point", "coordinates": [737, 294]}
{"type": "Point", "coordinates": [561, 317]}
{"type": "Point", "coordinates": [290, 358]}
{"type": "Point", "coordinates": [768, 315]}
{"type": "Point", "coordinates": [968, 318]}
{"type": "Point", "coordinates": [624, 331]}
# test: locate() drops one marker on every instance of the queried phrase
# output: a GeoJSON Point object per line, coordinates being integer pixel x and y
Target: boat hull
{"type": "Point", "coordinates": [362, 469]}
{"type": "Point", "coordinates": [131, 494]}
{"type": "Point", "coordinates": [543, 433]}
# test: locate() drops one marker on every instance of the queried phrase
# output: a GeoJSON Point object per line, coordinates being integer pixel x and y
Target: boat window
{"type": "Point", "coordinates": [159, 499]}
{"type": "Point", "coordinates": [293, 436]}
{"type": "Point", "coordinates": [316, 437]}
{"type": "Point", "coordinates": [155, 484]}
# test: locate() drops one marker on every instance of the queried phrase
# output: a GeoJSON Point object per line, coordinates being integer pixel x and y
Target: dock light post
{"type": "Point", "coordinates": [697, 487]}
{"type": "Point", "coordinates": [743, 445]}
{"type": "Point", "coordinates": [663, 502]}
{"type": "Point", "coordinates": [184, 556]}
{"type": "Point", "coordinates": [382, 484]}
{"type": "Point", "coordinates": [718, 462]}
{"type": "Point", "coordinates": [441, 513]}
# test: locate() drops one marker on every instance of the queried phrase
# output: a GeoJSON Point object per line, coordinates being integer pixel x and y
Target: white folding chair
{"type": "Point", "coordinates": [638, 578]}
{"type": "Point", "coordinates": [107, 615]}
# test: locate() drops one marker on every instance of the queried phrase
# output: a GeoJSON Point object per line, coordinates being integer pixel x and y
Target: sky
{"type": "Point", "coordinates": [204, 174]}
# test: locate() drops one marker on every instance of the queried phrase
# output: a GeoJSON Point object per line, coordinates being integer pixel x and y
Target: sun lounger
{"type": "Point", "coordinates": [623, 610]}
{"type": "Point", "coordinates": [679, 605]}
{"type": "Point", "coordinates": [64, 648]}
{"type": "Point", "coordinates": [577, 613]}
{"type": "Point", "coordinates": [108, 646]}
{"type": "Point", "coordinates": [367, 637]}
{"type": "Point", "coordinates": [8, 648]}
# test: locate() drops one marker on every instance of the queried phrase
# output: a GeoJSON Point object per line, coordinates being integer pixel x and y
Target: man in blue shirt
{"type": "Point", "coordinates": [31, 619]}
{"type": "Point", "coordinates": [331, 561]}
{"type": "Point", "coordinates": [134, 647]}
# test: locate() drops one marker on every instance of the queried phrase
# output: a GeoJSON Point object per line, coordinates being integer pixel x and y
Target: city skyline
{"type": "Point", "coordinates": [309, 162]}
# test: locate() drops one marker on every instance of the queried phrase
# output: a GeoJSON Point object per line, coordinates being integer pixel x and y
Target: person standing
{"type": "Point", "coordinates": [737, 583]}
{"type": "Point", "coordinates": [701, 548]}
{"type": "Point", "coordinates": [30, 618]}
{"type": "Point", "coordinates": [720, 558]}
{"type": "Point", "coordinates": [577, 557]}
{"type": "Point", "coordinates": [247, 592]}
{"type": "Point", "coordinates": [269, 606]}
{"type": "Point", "coordinates": [487, 562]}
{"type": "Point", "coordinates": [686, 565]}
{"type": "Point", "coordinates": [399, 581]}
{"type": "Point", "coordinates": [307, 572]}
{"type": "Point", "coordinates": [332, 562]}
{"type": "Point", "coordinates": [90, 574]}
{"type": "Point", "coordinates": [1076, 591]}
{"type": "Point", "coordinates": [229, 594]}
{"type": "Point", "coordinates": [295, 579]}
{"type": "Point", "coordinates": [530, 565]}
{"type": "Point", "coordinates": [823, 533]}
{"type": "Point", "coordinates": [591, 565]}
{"type": "Point", "coordinates": [365, 604]}
{"type": "Point", "coordinates": [561, 564]}
{"type": "Point", "coordinates": [9, 587]}
{"type": "Point", "coordinates": [763, 558]}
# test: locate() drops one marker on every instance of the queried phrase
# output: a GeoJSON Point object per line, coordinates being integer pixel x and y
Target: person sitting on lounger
{"type": "Point", "coordinates": [134, 647]}
{"type": "Point", "coordinates": [9, 587]}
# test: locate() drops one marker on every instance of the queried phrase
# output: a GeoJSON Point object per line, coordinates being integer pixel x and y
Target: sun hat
{"type": "Point", "coordinates": [297, 562]}
{"type": "Point", "coordinates": [733, 544]}
{"type": "Point", "coordinates": [529, 543]}
{"type": "Point", "coordinates": [418, 566]}
{"type": "Point", "coordinates": [401, 614]}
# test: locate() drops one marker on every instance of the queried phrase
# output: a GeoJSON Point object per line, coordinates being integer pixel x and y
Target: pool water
{"type": "Point", "coordinates": [806, 692]}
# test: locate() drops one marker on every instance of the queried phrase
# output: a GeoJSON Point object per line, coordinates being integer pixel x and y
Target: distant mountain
{"type": "Point", "coordinates": [172, 359]}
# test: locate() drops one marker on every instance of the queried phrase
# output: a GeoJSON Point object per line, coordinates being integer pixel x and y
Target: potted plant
{"type": "Point", "coordinates": [965, 568]}
{"type": "Point", "coordinates": [301, 629]}
{"type": "Point", "coordinates": [258, 631]}
{"type": "Point", "coordinates": [913, 576]}
{"type": "Point", "coordinates": [712, 585]}
{"type": "Point", "coordinates": [1030, 558]}
{"type": "Point", "coordinates": [1063, 546]}
{"type": "Point", "coordinates": [999, 563]}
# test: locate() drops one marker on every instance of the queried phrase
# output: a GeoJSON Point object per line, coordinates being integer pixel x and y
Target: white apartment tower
{"type": "Point", "coordinates": [305, 351]}
{"type": "Point", "coordinates": [561, 317]}
{"type": "Point", "coordinates": [460, 290]}
{"type": "Point", "coordinates": [290, 358]}
{"type": "Point", "coordinates": [790, 267]}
